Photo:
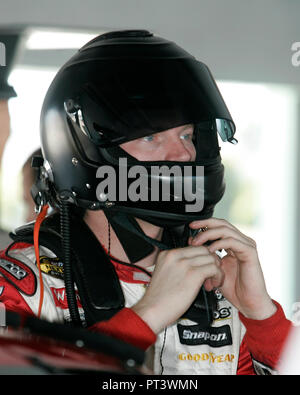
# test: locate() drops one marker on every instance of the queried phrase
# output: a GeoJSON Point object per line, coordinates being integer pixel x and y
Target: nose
{"type": "Point", "coordinates": [177, 151]}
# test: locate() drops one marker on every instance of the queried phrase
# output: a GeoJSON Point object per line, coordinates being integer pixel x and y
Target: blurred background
{"type": "Point", "coordinates": [251, 49]}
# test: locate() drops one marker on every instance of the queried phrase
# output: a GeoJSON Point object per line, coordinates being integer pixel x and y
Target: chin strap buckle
{"type": "Point", "coordinates": [40, 189]}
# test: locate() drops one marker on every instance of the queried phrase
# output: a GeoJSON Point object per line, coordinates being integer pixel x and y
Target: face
{"type": "Point", "coordinates": [174, 145]}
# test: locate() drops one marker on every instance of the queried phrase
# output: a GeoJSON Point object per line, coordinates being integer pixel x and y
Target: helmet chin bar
{"type": "Point", "coordinates": [163, 212]}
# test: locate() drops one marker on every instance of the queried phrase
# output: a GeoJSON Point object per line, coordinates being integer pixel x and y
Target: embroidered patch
{"type": "Point", "coordinates": [194, 335]}
{"type": "Point", "coordinates": [52, 266]}
{"type": "Point", "coordinates": [60, 298]}
{"type": "Point", "coordinates": [18, 274]}
{"type": "Point", "coordinates": [223, 313]}
{"type": "Point", "coordinates": [14, 269]}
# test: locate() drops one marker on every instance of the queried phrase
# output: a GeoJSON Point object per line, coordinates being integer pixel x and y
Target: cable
{"type": "Point", "coordinates": [131, 265]}
{"type": "Point", "coordinates": [36, 232]}
{"type": "Point", "coordinates": [206, 304]}
{"type": "Point", "coordinates": [68, 275]}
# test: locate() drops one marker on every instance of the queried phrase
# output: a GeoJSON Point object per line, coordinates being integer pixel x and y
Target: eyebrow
{"type": "Point", "coordinates": [189, 126]}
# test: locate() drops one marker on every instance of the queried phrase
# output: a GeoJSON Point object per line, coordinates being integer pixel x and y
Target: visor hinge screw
{"type": "Point", "coordinates": [109, 204]}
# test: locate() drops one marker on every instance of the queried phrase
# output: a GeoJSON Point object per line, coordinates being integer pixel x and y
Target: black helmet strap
{"type": "Point", "coordinates": [135, 243]}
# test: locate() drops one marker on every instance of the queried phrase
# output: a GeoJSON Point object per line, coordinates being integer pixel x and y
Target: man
{"type": "Point", "coordinates": [124, 256]}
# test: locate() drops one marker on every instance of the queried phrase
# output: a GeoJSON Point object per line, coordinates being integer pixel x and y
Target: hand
{"type": "Point", "coordinates": [175, 283]}
{"type": "Point", "coordinates": [244, 284]}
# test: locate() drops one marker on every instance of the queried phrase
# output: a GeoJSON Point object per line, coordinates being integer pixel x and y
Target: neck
{"type": "Point", "coordinates": [97, 222]}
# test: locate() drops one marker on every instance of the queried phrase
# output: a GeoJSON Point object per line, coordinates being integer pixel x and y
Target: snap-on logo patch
{"type": "Point", "coordinates": [194, 335]}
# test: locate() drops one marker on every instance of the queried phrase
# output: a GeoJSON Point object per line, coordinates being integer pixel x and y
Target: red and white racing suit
{"type": "Point", "coordinates": [233, 345]}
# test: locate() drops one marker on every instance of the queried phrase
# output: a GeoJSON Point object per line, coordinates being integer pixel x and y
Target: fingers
{"type": "Point", "coordinates": [175, 283]}
{"type": "Point", "coordinates": [241, 250]}
{"type": "Point", "coordinates": [211, 275]}
{"type": "Point", "coordinates": [218, 229]}
{"type": "Point", "coordinates": [196, 262]}
{"type": "Point", "coordinates": [201, 260]}
{"type": "Point", "coordinates": [220, 233]}
{"type": "Point", "coordinates": [210, 222]}
{"type": "Point", "coordinates": [184, 253]}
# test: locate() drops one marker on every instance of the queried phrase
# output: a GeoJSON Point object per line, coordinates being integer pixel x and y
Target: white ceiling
{"type": "Point", "coordinates": [238, 39]}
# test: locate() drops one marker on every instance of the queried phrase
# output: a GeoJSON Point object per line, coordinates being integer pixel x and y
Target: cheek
{"type": "Point", "coordinates": [190, 147]}
{"type": "Point", "coordinates": [194, 153]}
{"type": "Point", "coordinates": [130, 148]}
{"type": "Point", "coordinates": [143, 151]}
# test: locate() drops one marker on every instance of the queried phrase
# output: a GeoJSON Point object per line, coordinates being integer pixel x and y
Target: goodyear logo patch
{"type": "Point", "coordinates": [210, 357]}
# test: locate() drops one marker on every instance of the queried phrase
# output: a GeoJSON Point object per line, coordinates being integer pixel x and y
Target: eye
{"type": "Point", "coordinates": [187, 136]}
{"type": "Point", "coordinates": [148, 138]}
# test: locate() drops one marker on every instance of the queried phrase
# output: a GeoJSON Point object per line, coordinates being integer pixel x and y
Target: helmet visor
{"type": "Point", "coordinates": [124, 100]}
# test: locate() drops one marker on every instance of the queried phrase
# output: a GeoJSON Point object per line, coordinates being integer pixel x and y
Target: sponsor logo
{"type": "Point", "coordinates": [222, 314]}
{"type": "Point", "coordinates": [210, 357]}
{"type": "Point", "coordinates": [60, 298]}
{"type": "Point", "coordinates": [13, 269]}
{"type": "Point", "coordinates": [193, 335]}
{"type": "Point", "coordinates": [52, 266]}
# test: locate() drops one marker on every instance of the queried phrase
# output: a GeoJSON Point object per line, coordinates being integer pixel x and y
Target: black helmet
{"type": "Point", "coordinates": [121, 86]}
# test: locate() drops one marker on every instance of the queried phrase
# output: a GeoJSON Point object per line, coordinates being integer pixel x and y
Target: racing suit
{"type": "Point", "coordinates": [233, 344]}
